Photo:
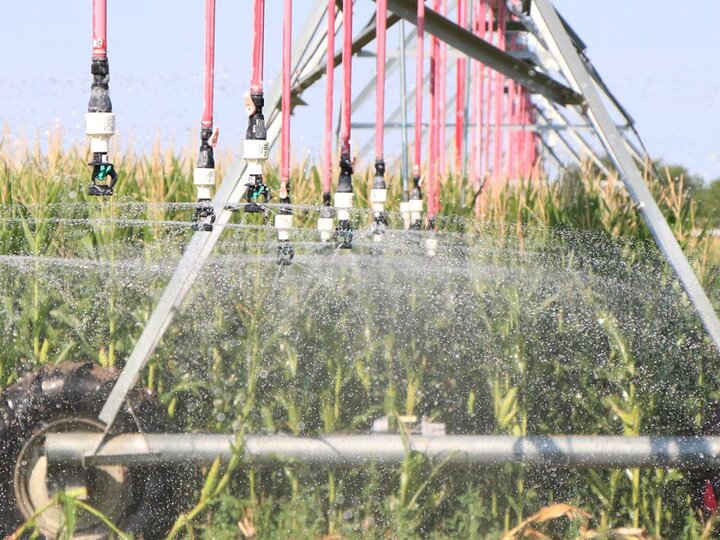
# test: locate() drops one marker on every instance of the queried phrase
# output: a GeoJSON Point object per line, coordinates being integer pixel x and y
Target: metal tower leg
{"type": "Point", "coordinates": [575, 70]}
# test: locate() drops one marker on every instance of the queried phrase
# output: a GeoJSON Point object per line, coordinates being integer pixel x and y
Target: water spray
{"type": "Point", "coordinates": [344, 193]}
{"type": "Point", "coordinates": [415, 204]}
{"type": "Point", "coordinates": [204, 175]}
{"type": "Point", "coordinates": [378, 194]}
{"type": "Point", "coordinates": [100, 120]}
{"type": "Point", "coordinates": [255, 146]}
{"type": "Point", "coordinates": [284, 218]}
{"type": "Point", "coordinates": [326, 222]}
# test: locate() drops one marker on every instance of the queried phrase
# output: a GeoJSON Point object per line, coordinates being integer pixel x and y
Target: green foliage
{"type": "Point", "coordinates": [541, 322]}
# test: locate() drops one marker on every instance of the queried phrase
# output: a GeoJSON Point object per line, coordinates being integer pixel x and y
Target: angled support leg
{"type": "Point", "coordinates": [573, 67]}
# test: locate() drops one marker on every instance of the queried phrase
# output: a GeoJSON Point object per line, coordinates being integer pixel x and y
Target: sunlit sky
{"type": "Point", "coordinates": [658, 57]}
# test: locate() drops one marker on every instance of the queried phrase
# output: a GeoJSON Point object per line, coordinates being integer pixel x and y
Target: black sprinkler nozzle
{"type": "Point", "coordinates": [257, 195]}
{"type": "Point", "coordinates": [344, 234]}
{"type": "Point", "coordinates": [285, 253]}
{"type": "Point", "coordinates": [104, 177]}
{"type": "Point", "coordinates": [204, 216]}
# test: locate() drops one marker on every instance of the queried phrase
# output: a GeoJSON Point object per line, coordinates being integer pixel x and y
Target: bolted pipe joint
{"type": "Point", "coordinates": [256, 121]}
{"type": "Point", "coordinates": [344, 203]}
{"type": "Point", "coordinates": [100, 88]}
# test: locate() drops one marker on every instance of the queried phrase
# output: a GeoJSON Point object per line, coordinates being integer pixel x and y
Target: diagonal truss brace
{"type": "Point", "coordinates": [573, 67]}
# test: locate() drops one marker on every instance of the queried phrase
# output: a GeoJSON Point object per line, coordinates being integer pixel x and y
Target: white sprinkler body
{"type": "Point", "coordinates": [283, 224]}
{"type": "Point", "coordinates": [204, 180]}
{"type": "Point", "coordinates": [326, 226]}
{"type": "Point", "coordinates": [378, 198]}
{"type": "Point", "coordinates": [256, 154]}
{"type": "Point", "coordinates": [405, 212]}
{"type": "Point", "coordinates": [343, 204]}
{"type": "Point", "coordinates": [100, 127]}
{"type": "Point", "coordinates": [416, 208]}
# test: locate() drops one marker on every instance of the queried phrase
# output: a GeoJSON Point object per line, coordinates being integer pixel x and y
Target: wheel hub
{"type": "Point", "coordinates": [107, 489]}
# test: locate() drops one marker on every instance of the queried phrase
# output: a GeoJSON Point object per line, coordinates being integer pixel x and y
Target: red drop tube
{"type": "Point", "coordinates": [285, 106]}
{"type": "Point", "coordinates": [258, 47]}
{"type": "Point", "coordinates": [99, 33]}
{"type": "Point", "coordinates": [461, 83]}
{"type": "Point", "coordinates": [207, 117]}
{"type": "Point", "coordinates": [499, 95]}
{"type": "Point", "coordinates": [329, 95]}
{"type": "Point", "coordinates": [419, 77]}
{"type": "Point", "coordinates": [347, 78]}
{"type": "Point", "coordinates": [378, 194]}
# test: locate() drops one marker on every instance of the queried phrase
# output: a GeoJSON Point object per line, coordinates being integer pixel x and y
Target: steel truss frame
{"type": "Point", "coordinates": [584, 92]}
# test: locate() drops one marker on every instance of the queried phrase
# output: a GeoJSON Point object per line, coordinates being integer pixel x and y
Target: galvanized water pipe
{"type": "Point", "coordinates": [560, 451]}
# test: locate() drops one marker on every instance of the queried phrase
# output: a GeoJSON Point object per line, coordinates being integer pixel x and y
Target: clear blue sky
{"type": "Point", "coordinates": [658, 56]}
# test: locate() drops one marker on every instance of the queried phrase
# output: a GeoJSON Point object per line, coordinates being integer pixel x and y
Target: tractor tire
{"type": "Point", "coordinates": [68, 397]}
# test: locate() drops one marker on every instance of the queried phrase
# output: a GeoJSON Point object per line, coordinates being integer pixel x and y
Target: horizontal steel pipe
{"type": "Point", "coordinates": [561, 451]}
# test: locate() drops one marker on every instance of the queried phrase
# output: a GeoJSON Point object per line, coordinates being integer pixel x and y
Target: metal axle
{"type": "Point", "coordinates": [560, 451]}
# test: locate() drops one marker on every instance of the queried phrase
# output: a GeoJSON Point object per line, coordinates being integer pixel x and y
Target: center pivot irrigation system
{"type": "Point", "coordinates": [529, 95]}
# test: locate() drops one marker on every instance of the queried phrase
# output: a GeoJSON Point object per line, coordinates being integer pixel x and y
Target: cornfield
{"type": "Point", "coordinates": [552, 313]}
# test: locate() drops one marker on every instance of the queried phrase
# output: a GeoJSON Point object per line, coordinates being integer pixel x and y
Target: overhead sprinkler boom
{"type": "Point", "coordinates": [100, 119]}
{"type": "Point", "coordinates": [204, 176]}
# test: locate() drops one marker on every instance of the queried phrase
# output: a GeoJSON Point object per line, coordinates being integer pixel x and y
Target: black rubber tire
{"type": "Point", "coordinates": [78, 391]}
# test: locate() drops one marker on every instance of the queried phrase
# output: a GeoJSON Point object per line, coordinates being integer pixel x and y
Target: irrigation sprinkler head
{"type": "Point", "coordinates": [104, 177]}
{"type": "Point", "coordinates": [344, 234]}
{"type": "Point", "coordinates": [255, 152]}
{"type": "Point", "coordinates": [344, 203]}
{"type": "Point", "coordinates": [100, 127]}
{"type": "Point", "coordinates": [283, 224]}
{"type": "Point", "coordinates": [257, 195]}
{"type": "Point", "coordinates": [285, 253]}
{"type": "Point", "coordinates": [204, 216]}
